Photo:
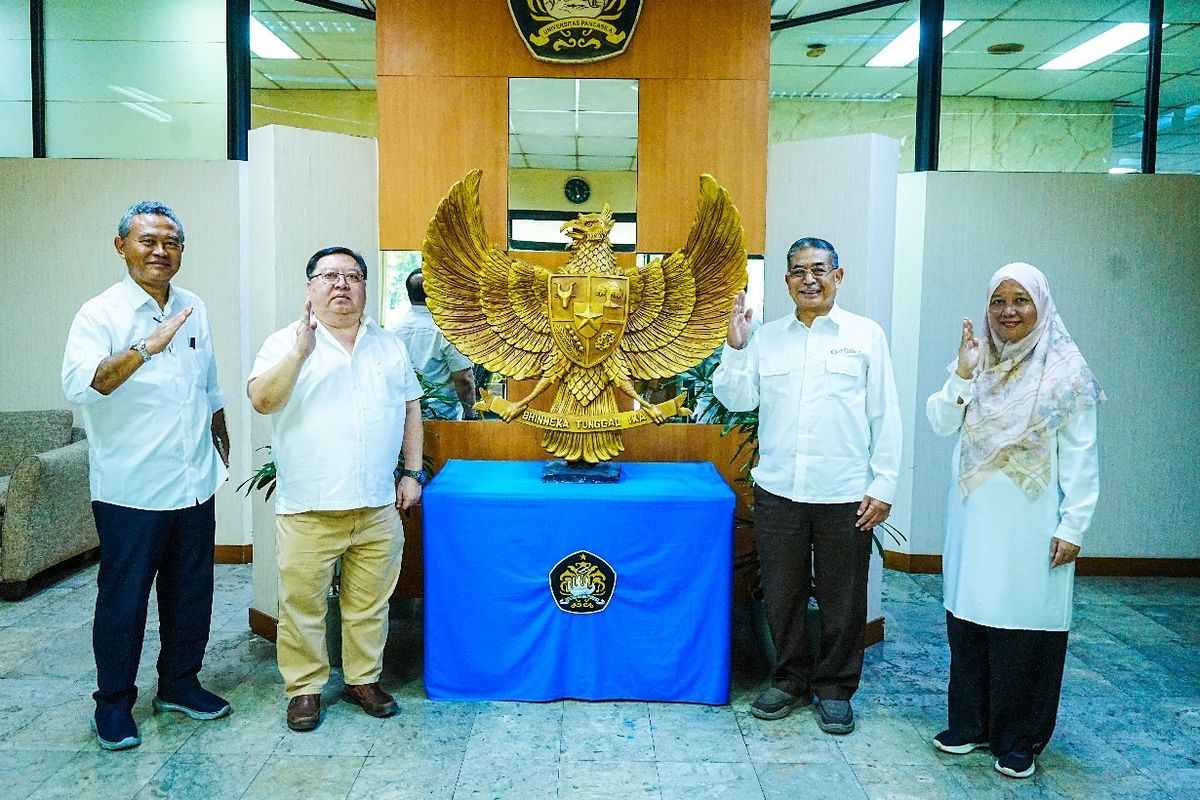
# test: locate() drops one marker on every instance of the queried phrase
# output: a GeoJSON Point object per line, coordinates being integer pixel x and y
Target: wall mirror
{"type": "Point", "coordinates": [572, 147]}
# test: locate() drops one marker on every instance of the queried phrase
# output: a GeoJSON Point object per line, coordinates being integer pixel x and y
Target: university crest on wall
{"type": "Point", "coordinates": [574, 31]}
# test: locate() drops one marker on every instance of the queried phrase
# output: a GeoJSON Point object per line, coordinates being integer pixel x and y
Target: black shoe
{"type": "Point", "coordinates": [777, 704]}
{"type": "Point", "coordinates": [1015, 765]}
{"type": "Point", "coordinates": [947, 742]}
{"type": "Point", "coordinates": [115, 729]}
{"type": "Point", "coordinates": [197, 703]}
{"type": "Point", "coordinates": [835, 716]}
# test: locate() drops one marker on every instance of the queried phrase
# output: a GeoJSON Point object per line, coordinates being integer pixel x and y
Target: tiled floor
{"type": "Point", "coordinates": [1129, 727]}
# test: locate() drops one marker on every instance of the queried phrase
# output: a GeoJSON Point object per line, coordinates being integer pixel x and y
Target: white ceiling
{"type": "Point", "coordinates": [339, 54]}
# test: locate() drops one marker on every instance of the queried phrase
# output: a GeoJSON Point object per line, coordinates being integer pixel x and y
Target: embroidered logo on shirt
{"type": "Point", "coordinates": [845, 351]}
{"type": "Point", "coordinates": [582, 583]}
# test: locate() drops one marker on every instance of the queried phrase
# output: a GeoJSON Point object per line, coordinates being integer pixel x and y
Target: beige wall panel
{"type": "Point", "coordinates": [689, 127]}
{"type": "Point", "coordinates": [674, 38]}
{"type": "Point", "coordinates": [433, 131]}
{"type": "Point", "coordinates": [58, 253]}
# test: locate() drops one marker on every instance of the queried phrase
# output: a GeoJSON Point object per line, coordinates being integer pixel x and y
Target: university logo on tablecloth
{"type": "Point", "coordinates": [582, 583]}
{"type": "Point", "coordinates": [575, 31]}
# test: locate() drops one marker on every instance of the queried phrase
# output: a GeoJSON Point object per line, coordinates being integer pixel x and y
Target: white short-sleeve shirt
{"type": "Point", "coordinates": [337, 439]}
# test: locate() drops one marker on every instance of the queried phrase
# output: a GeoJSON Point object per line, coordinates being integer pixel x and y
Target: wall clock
{"type": "Point", "coordinates": [577, 190]}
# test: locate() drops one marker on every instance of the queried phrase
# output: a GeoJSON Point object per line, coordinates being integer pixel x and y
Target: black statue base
{"type": "Point", "coordinates": [560, 470]}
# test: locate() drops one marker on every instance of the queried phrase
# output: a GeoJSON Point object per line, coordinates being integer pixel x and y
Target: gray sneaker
{"type": "Point", "coordinates": [776, 704]}
{"type": "Point", "coordinates": [835, 716]}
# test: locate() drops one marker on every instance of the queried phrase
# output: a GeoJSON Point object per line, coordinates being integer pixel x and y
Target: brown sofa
{"type": "Point", "coordinates": [45, 503]}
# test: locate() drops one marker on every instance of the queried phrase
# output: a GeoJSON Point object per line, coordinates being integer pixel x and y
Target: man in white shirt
{"type": "Point", "coordinates": [139, 365]}
{"type": "Point", "coordinates": [437, 361]}
{"type": "Point", "coordinates": [829, 458]}
{"type": "Point", "coordinates": [345, 406]}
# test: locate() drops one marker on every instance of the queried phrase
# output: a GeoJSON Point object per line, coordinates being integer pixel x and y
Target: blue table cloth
{"type": "Point", "coordinates": [541, 591]}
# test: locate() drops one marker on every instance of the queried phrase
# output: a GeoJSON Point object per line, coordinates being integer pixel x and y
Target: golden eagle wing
{"type": "Point", "coordinates": [680, 305]}
{"type": "Point", "coordinates": [490, 306]}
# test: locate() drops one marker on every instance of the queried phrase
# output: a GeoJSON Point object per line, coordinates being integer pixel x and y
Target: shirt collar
{"type": "Point", "coordinates": [422, 310]}
{"type": "Point", "coordinates": [138, 297]}
{"type": "Point", "coordinates": [835, 317]}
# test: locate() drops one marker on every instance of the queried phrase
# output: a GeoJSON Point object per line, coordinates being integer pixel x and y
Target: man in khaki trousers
{"type": "Point", "coordinates": [346, 439]}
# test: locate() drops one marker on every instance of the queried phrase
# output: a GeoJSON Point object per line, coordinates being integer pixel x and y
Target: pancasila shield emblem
{"type": "Point", "coordinates": [588, 315]}
{"type": "Point", "coordinates": [575, 31]}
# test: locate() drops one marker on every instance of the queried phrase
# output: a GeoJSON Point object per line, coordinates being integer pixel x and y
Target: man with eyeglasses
{"type": "Point", "coordinates": [829, 459]}
{"type": "Point", "coordinates": [347, 442]}
{"type": "Point", "coordinates": [139, 365]}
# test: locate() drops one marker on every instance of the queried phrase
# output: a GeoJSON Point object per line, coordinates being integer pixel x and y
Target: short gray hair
{"type": "Point", "coordinates": [814, 243]}
{"type": "Point", "coordinates": [147, 207]}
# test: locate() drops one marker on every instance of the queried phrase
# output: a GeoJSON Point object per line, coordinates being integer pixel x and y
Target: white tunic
{"type": "Point", "coordinates": [996, 557]}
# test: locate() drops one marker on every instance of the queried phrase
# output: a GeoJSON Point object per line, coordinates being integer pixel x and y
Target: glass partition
{"type": "Point", "coordinates": [1042, 87]}
{"type": "Point", "coordinates": [16, 97]}
{"type": "Point", "coordinates": [834, 78]}
{"type": "Point", "coordinates": [1179, 95]}
{"type": "Point", "coordinates": [135, 79]}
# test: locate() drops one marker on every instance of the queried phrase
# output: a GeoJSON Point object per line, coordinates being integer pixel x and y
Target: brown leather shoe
{"type": "Point", "coordinates": [371, 699]}
{"type": "Point", "coordinates": [304, 712]}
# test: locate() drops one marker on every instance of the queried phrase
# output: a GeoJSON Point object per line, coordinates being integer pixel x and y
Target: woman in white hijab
{"type": "Point", "coordinates": [1024, 485]}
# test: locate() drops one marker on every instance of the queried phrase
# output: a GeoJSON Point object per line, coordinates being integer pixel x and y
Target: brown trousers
{"type": "Point", "coordinates": [813, 548]}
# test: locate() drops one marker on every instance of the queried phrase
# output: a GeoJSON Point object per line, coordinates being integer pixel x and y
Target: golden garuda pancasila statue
{"type": "Point", "coordinates": [589, 327]}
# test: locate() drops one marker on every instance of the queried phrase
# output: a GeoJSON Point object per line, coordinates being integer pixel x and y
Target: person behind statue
{"type": "Point", "coordinates": [344, 405]}
{"type": "Point", "coordinates": [437, 361]}
{"type": "Point", "coordinates": [139, 365]}
{"type": "Point", "coordinates": [1025, 480]}
{"type": "Point", "coordinates": [829, 458]}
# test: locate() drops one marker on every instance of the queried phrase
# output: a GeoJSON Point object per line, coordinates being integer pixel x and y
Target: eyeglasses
{"type": "Point", "coordinates": [331, 277]}
{"type": "Point", "coordinates": [817, 272]}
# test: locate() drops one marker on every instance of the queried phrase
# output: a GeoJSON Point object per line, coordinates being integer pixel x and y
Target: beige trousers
{"type": "Point", "coordinates": [370, 542]}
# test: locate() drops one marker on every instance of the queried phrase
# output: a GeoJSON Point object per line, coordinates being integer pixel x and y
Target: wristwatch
{"type": "Point", "coordinates": [140, 347]}
{"type": "Point", "coordinates": [417, 475]}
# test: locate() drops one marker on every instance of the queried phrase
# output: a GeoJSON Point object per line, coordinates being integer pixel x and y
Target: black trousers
{"type": "Point", "coordinates": [135, 547]}
{"type": "Point", "coordinates": [803, 546]}
{"type": "Point", "coordinates": [1004, 685]}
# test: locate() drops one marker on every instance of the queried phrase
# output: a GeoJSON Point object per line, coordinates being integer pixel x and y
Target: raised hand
{"type": "Point", "coordinates": [739, 322]}
{"type": "Point", "coordinates": [306, 332]}
{"type": "Point", "coordinates": [968, 351]}
{"type": "Point", "coordinates": [157, 341]}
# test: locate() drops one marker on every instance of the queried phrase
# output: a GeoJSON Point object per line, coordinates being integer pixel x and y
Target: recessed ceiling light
{"type": "Point", "coordinates": [1096, 48]}
{"type": "Point", "coordinates": [265, 44]}
{"type": "Point", "coordinates": [1005, 48]}
{"type": "Point", "coordinates": [902, 51]}
{"type": "Point", "coordinates": [1121, 171]}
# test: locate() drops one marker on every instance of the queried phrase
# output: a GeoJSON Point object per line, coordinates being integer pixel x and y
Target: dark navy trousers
{"type": "Point", "coordinates": [137, 546]}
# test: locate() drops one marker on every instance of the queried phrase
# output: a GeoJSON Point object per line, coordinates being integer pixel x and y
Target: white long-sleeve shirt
{"type": "Point", "coordinates": [150, 440]}
{"type": "Point", "coordinates": [829, 419]}
{"type": "Point", "coordinates": [996, 554]}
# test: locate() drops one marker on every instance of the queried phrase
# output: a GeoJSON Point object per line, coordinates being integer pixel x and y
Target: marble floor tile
{"type": "Point", "coordinates": [308, 777]}
{"type": "Point", "coordinates": [885, 780]}
{"type": "Point", "coordinates": [607, 780]}
{"type": "Point", "coordinates": [691, 733]}
{"type": "Point", "coordinates": [204, 776]}
{"type": "Point", "coordinates": [25, 770]}
{"type": "Point", "coordinates": [795, 739]}
{"type": "Point", "coordinates": [424, 730]}
{"type": "Point", "coordinates": [493, 773]}
{"type": "Point", "coordinates": [610, 732]}
{"type": "Point", "coordinates": [885, 735]}
{"type": "Point", "coordinates": [402, 777]}
{"type": "Point", "coordinates": [834, 780]}
{"type": "Point", "coordinates": [687, 780]}
{"type": "Point", "coordinates": [96, 773]}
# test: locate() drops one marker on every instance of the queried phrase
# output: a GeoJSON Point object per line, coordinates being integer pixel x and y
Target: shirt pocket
{"type": "Point", "coordinates": [845, 377]}
{"type": "Point", "coordinates": [391, 384]}
{"type": "Point", "coordinates": [774, 375]}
